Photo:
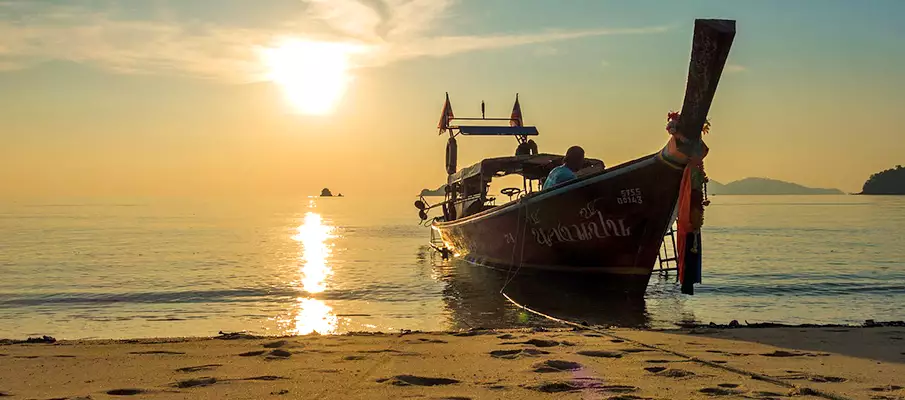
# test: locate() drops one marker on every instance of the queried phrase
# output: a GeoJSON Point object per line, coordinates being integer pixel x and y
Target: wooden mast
{"type": "Point", "coordinates": [709, 50]}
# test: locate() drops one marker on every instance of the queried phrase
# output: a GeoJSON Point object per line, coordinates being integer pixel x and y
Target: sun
{"type": "Point", "coordinates": [313, 75]}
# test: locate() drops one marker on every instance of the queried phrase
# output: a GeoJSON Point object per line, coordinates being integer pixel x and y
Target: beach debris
{"type": "Point", "coordinates": [42, 339]}
{"type": "Point", "coordinates": [556, 366]}
{"type": "Point", "coordinates": [412, 380]}
{"type": "Point", "coordinates": [235, 335]}
{"type": "Point", "coordinates": [473, 332]}
{"type": "Point", "coordinates": [125, 392]}
{"type": "Point", "coordinates": [599, 353]}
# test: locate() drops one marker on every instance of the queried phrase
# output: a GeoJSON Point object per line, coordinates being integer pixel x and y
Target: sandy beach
{"type": "Point", "coordinates": [836, 363]}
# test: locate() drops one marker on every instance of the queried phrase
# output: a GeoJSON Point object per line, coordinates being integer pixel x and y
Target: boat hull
{"type": "Point", "coordinates": [607, 227]}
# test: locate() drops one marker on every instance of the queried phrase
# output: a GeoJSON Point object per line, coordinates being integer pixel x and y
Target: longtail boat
{"type": "Point", "coordinates": [608, 223]}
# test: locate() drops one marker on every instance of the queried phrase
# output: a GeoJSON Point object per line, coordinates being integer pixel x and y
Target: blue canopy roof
{"type": "Point", "coordinates": [498, 130]}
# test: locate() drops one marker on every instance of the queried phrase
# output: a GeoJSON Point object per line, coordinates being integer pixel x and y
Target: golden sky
{"type": "Point", "coordinates": [289, 96]}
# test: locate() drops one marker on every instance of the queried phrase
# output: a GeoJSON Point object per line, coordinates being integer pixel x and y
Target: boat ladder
{"type": "Point", "coordinates": [669, 255]}
{"type": "Point", "coordinates": [436, 242]}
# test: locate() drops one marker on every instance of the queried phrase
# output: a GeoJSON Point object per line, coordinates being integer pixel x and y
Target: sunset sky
{"type": "Point", "coordinates": [235, 97]}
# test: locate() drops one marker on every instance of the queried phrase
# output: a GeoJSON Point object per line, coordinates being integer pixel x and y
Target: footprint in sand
{"type": "Point", "coordinates": [671, 372]}
{"type": "Point", "coordinates": [506, 337]}
{"type": "Point", "coordinates": [728, 385]}
{"type": "Point", "coordinates": [252, 353]}
{"type": "Point", "coordinates": [556, 366]}
{"type": "Point", "coordinates": [718, 391]}
{"type": "Point", "coordinates": [454, 398]}
{"type": "Point", "coordinates": [280, 393]}
{"type": "Point", "coordinates": [354, 358]}
{"type": "Point", "coordinates": [617, 340]}
{"type": "Point", "coordinates": [125, 392]}
{"type": "Point", "coordinates": [796, 375]}
{"type": "Point", "coordinates": [619, 389]}
{"type": "Point", "coordinates": [275, 345]}
{"type": "Point", "coordinates": [661, 361]}
{"type": "Point", "coordinates": [633, 350]}
{"type": "Point", "coordinates": [627, 397]}
{"type": "Point", "coordinates": [599, 353]}
{"type": "Point", "coordinates": [516, 353]}
{"type": "Point", "coordinates": [567, 386]}
{"type": "Point", "coordinates": [157, 352]}
{"type": "Point", "coordinates": [655, 370]}
{"type": "Point", "coordinates": [265, 378]}
{"type": "Point", "coordinates": [543, 343]}
{"type": "Point", "coordinates": [206, 367]}
{"type": "Point", "coordinates": [887, 388]}
{"type": "Point", "coordinates": [197, 382]}
{"type": "Point", "coordinates": [424, 340]}
{"type": "Point", "coordinates": [278, 355]}
{"type": "Point", "coordinates": [783, 353]}
{"type": "Point", "coordinates": [412, 380]}
{"type": "Point", "coordinates": [5, 394]}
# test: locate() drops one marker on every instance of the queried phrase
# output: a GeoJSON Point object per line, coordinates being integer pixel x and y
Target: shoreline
{"type": "Point", "coordinates": [701, 362]}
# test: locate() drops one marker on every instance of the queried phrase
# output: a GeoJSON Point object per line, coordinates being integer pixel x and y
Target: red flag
{"type": "Point", "coordinates": [515, 119]}
{"type": "Point", "coordinates": [446, 116]}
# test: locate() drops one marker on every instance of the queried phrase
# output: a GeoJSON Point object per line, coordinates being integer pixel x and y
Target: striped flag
{"type": "Point", "coordinates": [515, 119]}
{"type": "Point", "coordinates": [446, 116]}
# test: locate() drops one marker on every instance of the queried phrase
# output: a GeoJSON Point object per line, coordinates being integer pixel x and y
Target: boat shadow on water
{"type": "Point", "coordinates": [474, 298]}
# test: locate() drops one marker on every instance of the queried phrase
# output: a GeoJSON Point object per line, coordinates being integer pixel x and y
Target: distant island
{"type": "Point", "coordinates": [890, 181]}
{"type": "Point", "coordinates": [438, 192]}
{"type": "Point", "coordinates": [764, 186]}
{"type": "Point", "coordinates": [326, 193]}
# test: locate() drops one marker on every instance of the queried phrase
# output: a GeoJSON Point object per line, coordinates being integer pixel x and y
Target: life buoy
{"type": "Point", "coordinates": [451, 154]}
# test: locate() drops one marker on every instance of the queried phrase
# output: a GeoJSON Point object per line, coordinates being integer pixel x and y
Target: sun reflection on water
{"type": "Point", "coordinates": [314, 315]}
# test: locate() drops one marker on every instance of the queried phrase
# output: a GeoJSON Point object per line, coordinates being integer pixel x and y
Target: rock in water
{"type": "Point", "coordinates": [326, 193]}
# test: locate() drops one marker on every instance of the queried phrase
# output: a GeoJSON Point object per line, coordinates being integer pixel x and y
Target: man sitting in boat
{"type": "Point", "coordinates": [572, 162]}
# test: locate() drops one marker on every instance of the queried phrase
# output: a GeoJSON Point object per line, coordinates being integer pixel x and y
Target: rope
{"type": "Point", "coordinates": [749, 374]}
{"type": "Point", "coordinates": [521, 257]}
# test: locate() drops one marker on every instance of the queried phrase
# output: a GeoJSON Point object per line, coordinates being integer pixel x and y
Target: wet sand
{"type": "Point", "coordinates": [772, 363]}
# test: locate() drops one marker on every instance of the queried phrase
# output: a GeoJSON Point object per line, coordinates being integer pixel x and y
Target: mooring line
{"type": "Point", "coordinates": [749, 374]}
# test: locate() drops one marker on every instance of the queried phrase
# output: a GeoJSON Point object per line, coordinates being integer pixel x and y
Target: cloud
{"type": "Point", "coordinates": [391, 31]}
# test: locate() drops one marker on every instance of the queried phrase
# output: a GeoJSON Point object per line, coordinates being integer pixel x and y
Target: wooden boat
{"type": "Point", "coordinates": [606, 225]}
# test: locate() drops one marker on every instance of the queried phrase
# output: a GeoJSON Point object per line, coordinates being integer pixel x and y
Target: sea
{"type": "Point", "coordinates": [173, 267]}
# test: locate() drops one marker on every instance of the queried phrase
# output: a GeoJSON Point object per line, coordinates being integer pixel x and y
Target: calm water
{"type": "Point", "coordinates": [143, 268]}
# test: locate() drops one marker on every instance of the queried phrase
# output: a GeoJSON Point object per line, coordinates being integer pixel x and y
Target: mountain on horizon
{"type": "Point", "coordinates": [764, 186]}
